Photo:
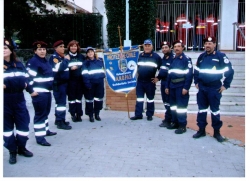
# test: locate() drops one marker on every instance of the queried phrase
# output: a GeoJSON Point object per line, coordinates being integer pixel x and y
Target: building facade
{"type": "Point", "coordinates": [191, 20]}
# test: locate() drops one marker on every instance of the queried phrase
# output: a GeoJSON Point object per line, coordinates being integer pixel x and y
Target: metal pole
{"type": "Point", "coordinates": [234, 44]}
{"type": "Point", "coordinates": [127, 42]}
{"type": "Point", "coordinates": [186, 27]}
{"type": "Point", "coordinates": [127, 20]}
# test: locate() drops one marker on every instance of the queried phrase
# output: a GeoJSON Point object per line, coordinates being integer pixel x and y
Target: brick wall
{"type": "Point", "coordinates": [118, 101]}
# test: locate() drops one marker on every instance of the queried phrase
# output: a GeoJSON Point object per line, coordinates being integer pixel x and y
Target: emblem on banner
{"type": "Point", "coordinates": [123, 65]}
{"type": "Point", "coordinates": [121, 69]}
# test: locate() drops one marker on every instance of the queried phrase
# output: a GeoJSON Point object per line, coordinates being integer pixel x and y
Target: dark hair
{"type": "Point", "coordinates": [12, 55]}
{"type": "Point", "coordinates": [74, 42]}
{"type": "Point", "coordinates": [95, 55]}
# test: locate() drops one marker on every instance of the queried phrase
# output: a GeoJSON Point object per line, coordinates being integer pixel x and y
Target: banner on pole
{"type": "Point", "coordinates": [121, 68]}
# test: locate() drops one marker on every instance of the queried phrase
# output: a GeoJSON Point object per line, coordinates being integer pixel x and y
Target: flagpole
{"type": "Point", "coordinates": [121, 49]}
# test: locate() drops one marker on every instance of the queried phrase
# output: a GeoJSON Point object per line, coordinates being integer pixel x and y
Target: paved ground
{"type": "Point", "coordinates": [119, 147]}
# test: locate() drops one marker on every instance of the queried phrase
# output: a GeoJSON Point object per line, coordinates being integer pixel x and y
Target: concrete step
{"type": "Point", "coordinates": [221, 113]}
{"type": "Point", "coordinates": [224, 107]}
{"type": "Point", "coordinates": [226, 97]}
{"type": "Point", "coordinates": [232, 89]}
{"type": "Point", "coordinates": [233, 99]}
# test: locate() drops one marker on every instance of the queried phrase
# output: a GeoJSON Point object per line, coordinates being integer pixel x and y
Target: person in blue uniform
{"type": "Point", "coordinates": [162, 76]}
{"type": "Point", "coordinates": [75, 84]}
{"type": "Point", "coordinates": [178, 84]}
{"type": "Point", "coordinates": [93, 77]}
{"type": "Point", "coordinates": [40, 86]}
{"type": "Point", "coordinates": [210, 67]}
{"type": "Point", "coordinates": [15, 110]}
{"type": "Point", "coordinates": [148, 63]}
{"type": "Point", "coordinates": [60, 69]}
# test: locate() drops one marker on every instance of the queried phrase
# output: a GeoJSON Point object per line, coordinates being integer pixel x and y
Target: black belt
{"type": "Point", "coordinates": [60, 82]}
{"type": "Point", "coordinates": [13, 90]}
{"type": "Point", "coordinates": [217, 82]}
{"type": "Point", "coordinates": [177, 80]}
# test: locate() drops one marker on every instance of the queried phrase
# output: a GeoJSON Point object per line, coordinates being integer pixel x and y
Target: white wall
{"type": "Point", "coordinates": [229, 10]}
{"type": "Point", "coordinates": [99, 7]}
{"type": "Point", "coordinates": [85, 4]}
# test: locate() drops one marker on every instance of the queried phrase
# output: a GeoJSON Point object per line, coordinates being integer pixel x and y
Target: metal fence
{"type": "Point", "coordinates": [191, 21]}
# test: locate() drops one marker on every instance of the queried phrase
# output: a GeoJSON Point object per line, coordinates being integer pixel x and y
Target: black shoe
{"type": "Point", "coordinates": [149, 118]}
{"type": "Point", "coordinates": [65, 122]}
{"type": "Point", "coordinates": [62, 125]}
{"type": "Point", "coordinates": [135, 118]}
{"type": "Point", "coordinates": [44, 143]}
{"type": "Point", "coordinates": [23, 151]}
{"type": "Point", "coordinates": [12, 159]}
{"type": "Point", "coordinates": [91, 119]}
{"type": "Point", "coordinates": [97, 117]}
{"type": "Point", "coordinates": [200, 133]}
{"type": "Point", "coordinates": [74, 119]}
{"type": "Point", "coordinates": [56, 122]}
{"type": "Point", "coordinates": [173, 126]}
{"type": "Point", "coordinates": [218, 136]}
{"type": "Point", "coordinates": [165, 124]}
{"type": "Point", "coordinates": [49, 133]}
{"type": "Point", "coordinates": [78, 118]}
{"type": "Point", "coordinates": [180, 130]}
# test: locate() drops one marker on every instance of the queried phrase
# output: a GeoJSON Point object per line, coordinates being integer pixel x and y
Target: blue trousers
{"type": "Point", "coordinates": [42, 105]}
{"type": "Point", "coordinates": [75, 93]}
{"type": "Point", "coordinates": [165, 100]}
{"type": "Point", "coordinates": [15, 115]}
{"type": "Point", "coordinates": [208, 97]}
{"type": "Point", "coordinates": [147, 88]}
{"type": "Point", "coordinates": [94, 98]}
{"type": "Point", "coordinates": [178, 106]}
{"type": "Point", "coordinates": [60, 95]}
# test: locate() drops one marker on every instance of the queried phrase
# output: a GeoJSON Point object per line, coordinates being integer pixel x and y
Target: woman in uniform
{"type": "Point", "coordinates": [15, 110]}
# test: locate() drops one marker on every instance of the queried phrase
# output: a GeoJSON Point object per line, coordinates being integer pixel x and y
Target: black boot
{"type": "Point", "coordinates": [23, 151]}
{"type": "Point", "coordinates": [201, 132]}
{"type": "Point", "coordinates": [78, 118]}
{"type": "Point", "coordinates": [97, 117]}
{"type": "Point", "coordinates": [12, 159]}
{"type": "Point", "coordinates": [218, 136]}
{"type": "Point", "coordinates": [173, 125]}
{"type": "Point", "coordinates": [180, 130]}
{"type": "Point", "coordinates": [65, 122]}
{"type": "Point", "coordinates": [91, 119]}
{"type": "Point", "coordinates": [74, 119]}
{"type": "Point", "coordinates": [165, 124]}
{"type": "Point", "coordinates": [50, 133]}
{"type": "Point", "coordinates": [62, 125]}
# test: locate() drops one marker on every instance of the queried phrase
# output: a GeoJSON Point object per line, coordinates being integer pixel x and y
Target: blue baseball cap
{"type": "Point", "coordinates": [89, 48]}
{"type": "Point", "coordinates": [148, 42]}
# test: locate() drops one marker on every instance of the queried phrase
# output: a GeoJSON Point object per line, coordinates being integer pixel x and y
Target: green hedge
{"type": "Point", "coordinates": [85, 28]}
{"type": "Point", "coordinates": [142, 15]}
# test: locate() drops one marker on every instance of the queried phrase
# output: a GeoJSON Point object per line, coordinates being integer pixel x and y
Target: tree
{"type": "Point", "coordinates": [142, 17]}
{"type": "Point", "coordinates": [115, 11]}
{"type": "Point", "coordinates": [18, 14]}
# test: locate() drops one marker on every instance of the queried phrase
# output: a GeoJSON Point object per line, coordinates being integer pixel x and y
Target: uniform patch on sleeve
{"type": "Point", "coordinates": [55, 60]}
{"type": "Point", "coordinates": [226, 60]}
{"type": "Point", "coordinates": [189, 65]}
